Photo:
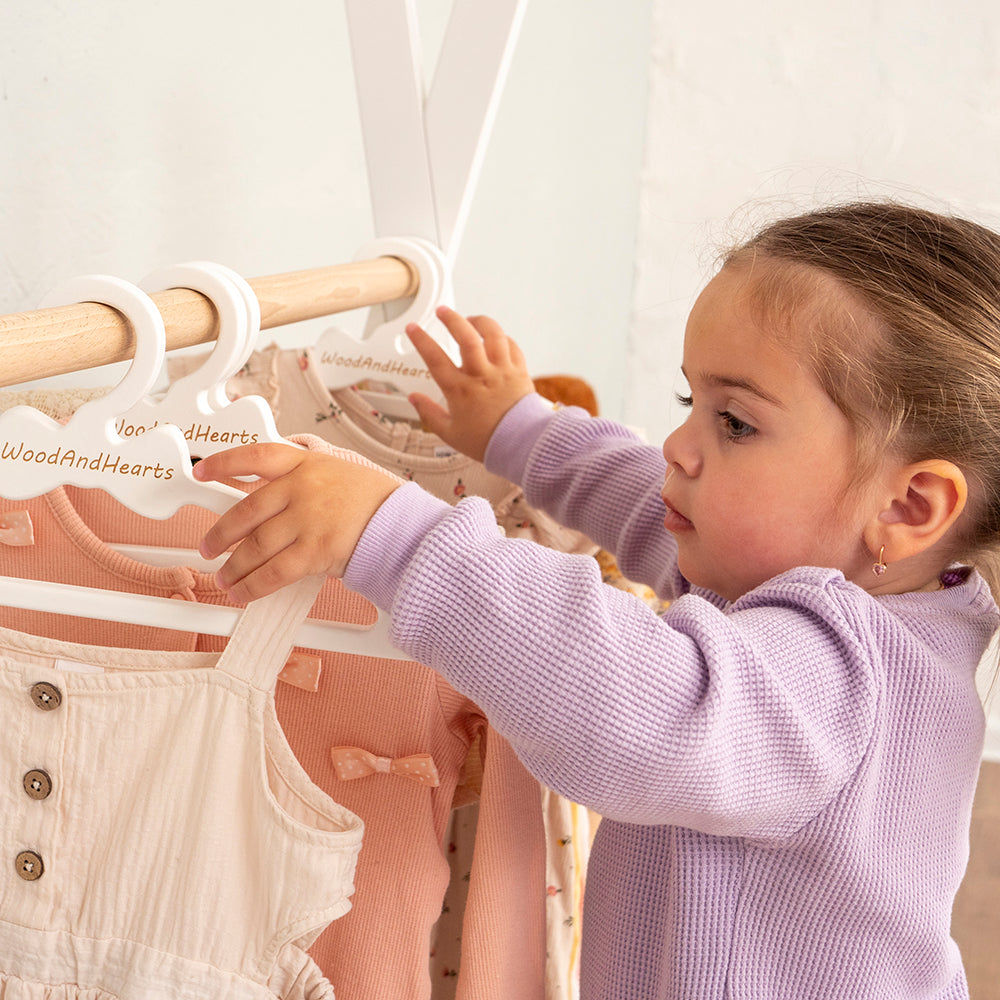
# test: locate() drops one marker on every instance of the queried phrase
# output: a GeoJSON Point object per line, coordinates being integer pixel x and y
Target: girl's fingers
{"type": "Point", "coordinates": [481, 342]}
{"type": "Point", "coordinates": [259, 546]}
{"type": "Point", "coordinates": [243, 518]}
{"type": "Point", "coordinates": [266, 461]}
{"type": "Point", "coordinates": [516, 354]}
{"type": "Point", "coordinates": [469, 340]}
{"type": "Point", "coordinates": [495, 341]}
{"type": "Point", "coordinates": [441, 367]}
{"type": "Point", "coordinates": [432, 414]}
{"type": "Point", "coordinates": [283, 568]}
{"type": "Point", "coordinates": [306, 521]}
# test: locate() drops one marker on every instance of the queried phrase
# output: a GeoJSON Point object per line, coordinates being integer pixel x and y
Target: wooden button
{"type": "Point", "coordinates": [37, 784]}
{"type": "Point", "coordinates": [46, 696]}
{"type": "Point", "coordinates": [29, 866]}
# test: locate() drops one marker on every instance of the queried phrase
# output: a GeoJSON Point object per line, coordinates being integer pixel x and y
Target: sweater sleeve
{"type": "Point", "coordinates": [595, 476]}
{"type": "Point", "coordinates": [703, 718]}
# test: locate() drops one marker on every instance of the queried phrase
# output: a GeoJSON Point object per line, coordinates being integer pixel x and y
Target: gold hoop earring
{"type": "Point", "coordinates": [880, 567]}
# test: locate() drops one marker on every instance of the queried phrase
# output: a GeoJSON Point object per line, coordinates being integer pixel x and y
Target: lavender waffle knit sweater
{"type": "Point", "coordinates": [786, 781]}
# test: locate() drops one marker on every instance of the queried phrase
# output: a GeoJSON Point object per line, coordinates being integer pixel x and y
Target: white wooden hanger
{"type": "Point", "coordinates": [150, 473]}
{"type": "Point", "coordinates": [384, 354]}
{"type": "Point", "coordinates": [197, 403]}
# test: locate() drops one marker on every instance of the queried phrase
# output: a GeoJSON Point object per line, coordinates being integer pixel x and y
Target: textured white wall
{"type": "Point", "coordinates": [135, 135]}
{"type": "Point", "coordinates": [763, 109]}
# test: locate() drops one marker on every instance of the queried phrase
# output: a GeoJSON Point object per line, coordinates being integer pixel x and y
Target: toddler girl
{"type": "Point", "coordinates": [784, 759]}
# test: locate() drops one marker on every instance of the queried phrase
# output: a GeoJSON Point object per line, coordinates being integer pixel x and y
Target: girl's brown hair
{"type": "Point", "coordinates": [905, 340]}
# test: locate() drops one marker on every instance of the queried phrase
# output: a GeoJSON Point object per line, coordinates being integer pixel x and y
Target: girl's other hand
{"type": "Point", "coordinates": [493, 376]}
{"type": "Point", "coordinates": [306, 519]}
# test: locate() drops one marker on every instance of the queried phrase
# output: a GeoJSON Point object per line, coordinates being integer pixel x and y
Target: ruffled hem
{"type": "Point", "coordinates": [296, 976]}
{"type": "Point", "coordinates": [15, 988]}
{"type": "Point", "coordinates": [141, 974]}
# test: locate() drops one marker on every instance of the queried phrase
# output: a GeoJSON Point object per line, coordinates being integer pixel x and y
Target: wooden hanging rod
{"type": "Point", "coordinates": [65, 339]}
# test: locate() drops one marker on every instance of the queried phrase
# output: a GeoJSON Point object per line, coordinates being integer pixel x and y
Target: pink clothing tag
{"type": "Point", "coordinates": [302, 670]}
{"type": "Point", "coordinates": [16, 529]}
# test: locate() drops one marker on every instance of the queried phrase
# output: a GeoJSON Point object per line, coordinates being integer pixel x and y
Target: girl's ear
{"type": "Point", "coordinates": [928, 498]}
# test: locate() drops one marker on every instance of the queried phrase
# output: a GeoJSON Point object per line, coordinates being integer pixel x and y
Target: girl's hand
{"type": "Point", "coordinates": [306, 520]}
{"type": "Point", "coordinates": [492, 378]}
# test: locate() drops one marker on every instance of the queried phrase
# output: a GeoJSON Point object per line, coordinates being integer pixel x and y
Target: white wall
{"type": "Point", "coordinates": [136, 135]}
{"type": "Point", "coordinates": [763, 109]}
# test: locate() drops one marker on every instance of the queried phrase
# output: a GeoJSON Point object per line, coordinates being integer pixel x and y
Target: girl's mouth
{"type": "Point", "coordinates": [675, 521]}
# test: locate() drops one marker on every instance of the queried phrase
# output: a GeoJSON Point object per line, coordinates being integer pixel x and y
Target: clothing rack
{"type": "Point", "coordinates": [56, 341]}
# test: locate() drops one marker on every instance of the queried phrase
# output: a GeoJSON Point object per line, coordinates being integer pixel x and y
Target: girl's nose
{"type": "Point", "coordinates": [681, 451]}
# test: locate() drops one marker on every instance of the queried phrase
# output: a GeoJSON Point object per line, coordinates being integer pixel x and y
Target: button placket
{"type": "Point", "coordinates": [44, 726]}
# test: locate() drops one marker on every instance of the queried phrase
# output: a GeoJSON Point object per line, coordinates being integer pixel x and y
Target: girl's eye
{"type": "Point", "coordinates": [736, 429]}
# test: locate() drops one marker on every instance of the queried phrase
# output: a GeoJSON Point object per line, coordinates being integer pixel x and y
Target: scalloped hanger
{"type": "Point", "coordinates": [149, 473]}
{"type": "Point", "coordinates": [197, 403]}
{"type": "Point", "coordinates": [383, 354]}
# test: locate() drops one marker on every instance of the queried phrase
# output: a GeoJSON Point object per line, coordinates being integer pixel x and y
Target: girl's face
{"type": "Point", "coordinates": [758, 475]}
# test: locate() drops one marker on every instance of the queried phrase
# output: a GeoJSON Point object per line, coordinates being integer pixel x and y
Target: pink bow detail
{"type": "Point", "coordinates": [353, 762]}
{"type": "Point", "coordinates": [15, 528]}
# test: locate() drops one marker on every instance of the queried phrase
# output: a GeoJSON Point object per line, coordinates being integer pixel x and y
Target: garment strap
{"type": "Point", "coordinates": [265, 634]}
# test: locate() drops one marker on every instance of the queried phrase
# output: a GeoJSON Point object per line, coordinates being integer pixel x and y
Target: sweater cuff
{"type": "Point", "coordinates": [515, 436]}
{"type": "Point", "coordinates": [390, 541]}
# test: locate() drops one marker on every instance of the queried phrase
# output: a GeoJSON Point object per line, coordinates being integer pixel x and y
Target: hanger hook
{"type": "Point", "coordinates": [238, 327]}
{"type": "Point", "coordinates": [148, 332]}
{"type": "Point", "coordinates": [434, 274]}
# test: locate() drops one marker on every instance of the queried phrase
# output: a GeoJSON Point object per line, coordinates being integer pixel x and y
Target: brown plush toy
{"type": "Point", "coordinates": [568, 390]}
